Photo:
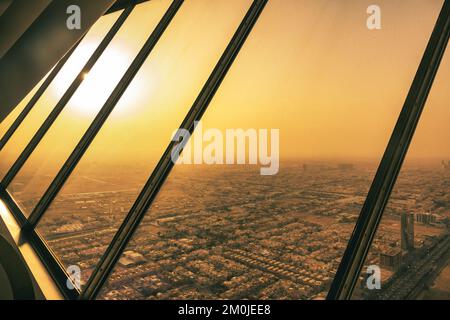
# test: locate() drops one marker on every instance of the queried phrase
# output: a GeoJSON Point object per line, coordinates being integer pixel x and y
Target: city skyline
{"type": "Point", "coordinates": [325, 202]}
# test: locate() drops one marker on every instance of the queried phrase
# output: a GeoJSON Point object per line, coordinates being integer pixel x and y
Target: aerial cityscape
{"type": "Point", "coordinates": [196, 154]}
{"type": "Point", "coordinates": [412, 245]}
{"type": "Point", "coordinates": [218, 232]}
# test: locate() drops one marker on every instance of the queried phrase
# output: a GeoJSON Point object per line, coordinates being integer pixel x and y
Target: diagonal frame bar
{"type": "Point", "coordinates": [53, 265]}
{"type": "Point", "coordinates": [388, 171]}
{"type": "Point", "coordinates": [103, 115]}
{"type": "Point", "coordinates": [51, 261]}
{"type": "Point", "coordinates": [30, 105]}
{"type": "Point", "coordinates": [162, 170]}
{"type": "Point", "coordinates": [383, 183]}
{"type": "Point", "coordinates": [34, 142]}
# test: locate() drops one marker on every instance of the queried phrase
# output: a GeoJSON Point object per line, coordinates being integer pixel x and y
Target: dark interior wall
{"type": "Point", "coordinates": [15, 20]}
{"type": "Point", "coordinates": [5, 287]}
{"type": "Point", "coordinates": [41, 46]}
{"type": "Point", "coordinates": [4, 4]}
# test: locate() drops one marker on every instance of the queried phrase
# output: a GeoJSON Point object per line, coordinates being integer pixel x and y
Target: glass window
{"type": "Point", "coordinates": [54, 149]}
{"type": "Point", "coordinates": [411, 249]}
{"type": "Point", "coordinates": [277, 230]}
{"type": "Point", "coordinates": [89, 209]}
{"type": "Point", "coordinates": [54, 92]}
{"type": "Point", "coordinates": [9, 120]}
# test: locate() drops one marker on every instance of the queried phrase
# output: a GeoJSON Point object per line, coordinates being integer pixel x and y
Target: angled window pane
{"type": "Point", "coordinates": [89, 209]}
{"type": "Point", "coordinates": [334, 90]}
{"type": "Point", "coordinates": [9, 120]}
{"type": "Point", "coordinates": [54, 149]}
{"type": "Point", "coordinates": [54, 92]}
{"type": "Point", "coordinates": [412, 244]}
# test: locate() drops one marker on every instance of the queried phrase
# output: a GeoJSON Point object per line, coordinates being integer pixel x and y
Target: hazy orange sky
{"type": "Point", "coordinates": [310, 68]}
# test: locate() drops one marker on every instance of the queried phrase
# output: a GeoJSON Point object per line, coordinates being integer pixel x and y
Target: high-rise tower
{"type": "Point", "coordinates": [407, 231]}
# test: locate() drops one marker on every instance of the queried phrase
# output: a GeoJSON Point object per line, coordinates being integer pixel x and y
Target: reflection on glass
{"type": "Point", "coordinates": [54, 92]}
{"type": "Point", "coordinates": [54, 149]}
{"type": "Point", "coordinates": [334, 90]}
{"type": "Point", "coordinates": [87, 212]}
{"type": "Point", "coordinates": [412, 244]}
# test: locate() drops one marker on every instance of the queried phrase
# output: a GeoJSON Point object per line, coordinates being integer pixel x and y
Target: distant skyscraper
{"type": "Point", "coordinates": [407, 231]}
{"type": "Point", "coordinates": [445, 165]}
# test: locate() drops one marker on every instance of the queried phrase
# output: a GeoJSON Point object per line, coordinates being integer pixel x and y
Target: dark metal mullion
{"type": "Point", "coordinates": [388, 171]}
{"type": "Point", "coordinates": [103, 115]}
{"type": "Point", "coordinates": [21, 160]}
{"type": "Point", "coordinates": [51, 262]}
{"type": "Point", "coordinates": [36, 97]}
{"type": "Point", "coordinates": [162, 170]}
{"type": "Point", "coordinates": [120, 4]}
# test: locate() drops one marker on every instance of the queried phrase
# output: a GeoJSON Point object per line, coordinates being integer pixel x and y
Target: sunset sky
{"type": "Point", "coordinates": [310, 68]}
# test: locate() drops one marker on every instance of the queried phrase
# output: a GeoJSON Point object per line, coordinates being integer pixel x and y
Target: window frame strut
{"type": "Point", "coordinates": [30, 105]}
{"type": "Point", "coordinates": [372, 211]}
{"type": "Point", "coordinates": [52, 263]}
{"type": "Point", "coordinates": [163, 168]}
{"type": "Point", "coordinates": [62, 103]}
{"type": "Point", "coordinates": [102, 116]}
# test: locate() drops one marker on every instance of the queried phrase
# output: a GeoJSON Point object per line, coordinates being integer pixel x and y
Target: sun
{"type": "Point", "coordinates": [99, 83]}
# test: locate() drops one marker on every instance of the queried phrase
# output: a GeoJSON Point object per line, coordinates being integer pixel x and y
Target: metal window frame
{"type": "Point", "coordinates": [50, 260]}
{"type": "Point", "coordinates": [16, 271]}
{"type": "Point", "coordinates": [162, 170]}
{"type": "Point", "coordinates": [30, 105]}
{"type": "Point", "coordinates": [122, 4]}
{"type": "Point", "coordinates": [356, 251]}
{"type": "Point", "coordinates": [372, 211]}
{"type": "Point", "coordinates": [52, 263]}
{"type": "Point", "coordinates": [62, 103]}
{"type": "Point", "coordinates": [102, 115]}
